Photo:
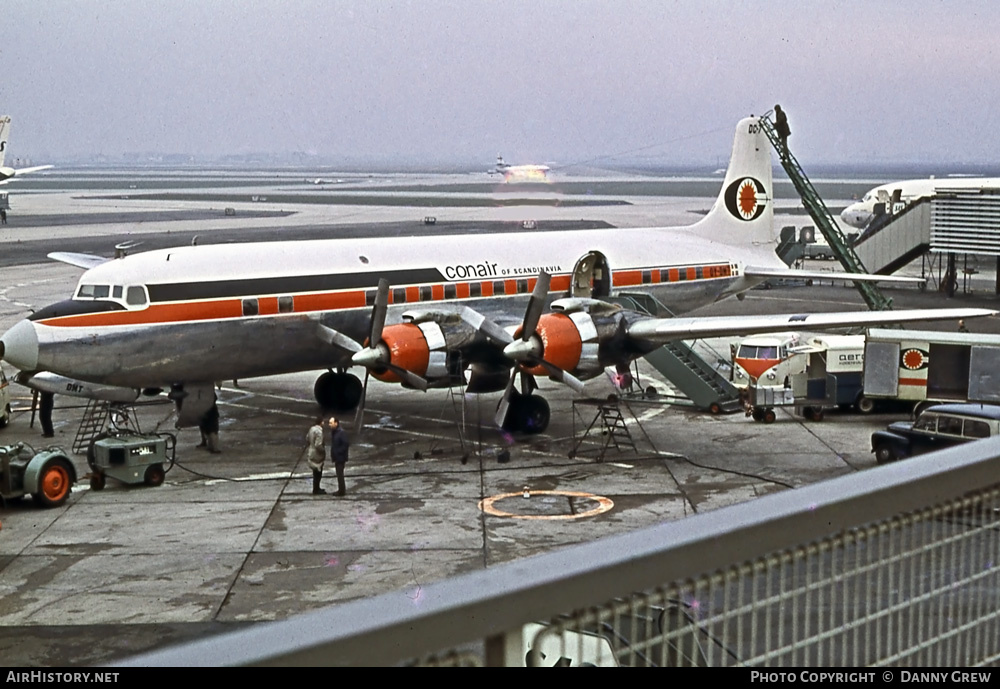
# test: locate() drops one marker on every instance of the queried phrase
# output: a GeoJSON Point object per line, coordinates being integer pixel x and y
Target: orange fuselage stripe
{"type": "Point", "coordinates": [217, 309]}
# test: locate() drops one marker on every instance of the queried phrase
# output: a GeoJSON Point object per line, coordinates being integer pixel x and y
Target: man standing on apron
{"type": "Point", "coordinates": [316, 453]}
{"type": "Point", "coordinates": [339, 445]}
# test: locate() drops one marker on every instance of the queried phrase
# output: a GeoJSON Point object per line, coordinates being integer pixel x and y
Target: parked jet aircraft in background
{"type": "Point", "coordinates": [7, 172]}
{"type": "Point", "coordinates": [473, 310]}
{"type": "Point", "coordinates": [520, 173]}
{"type": "Point", "coordinates": [859, 214]}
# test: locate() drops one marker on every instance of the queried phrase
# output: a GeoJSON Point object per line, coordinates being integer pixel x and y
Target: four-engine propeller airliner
{"type": "Point", "coordinates": [7, 172]}
{"type": "Point", "coordinates": [473, 310]}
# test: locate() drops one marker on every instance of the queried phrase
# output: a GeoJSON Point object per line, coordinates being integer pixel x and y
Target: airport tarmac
{"type": "Point", "coordinates": [238, 538]}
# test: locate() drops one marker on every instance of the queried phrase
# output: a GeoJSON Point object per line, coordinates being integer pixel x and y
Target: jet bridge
{"type": "Point", "coordinates": [892, 241]}
{"type": "Point", "coordinates": [939, 228]}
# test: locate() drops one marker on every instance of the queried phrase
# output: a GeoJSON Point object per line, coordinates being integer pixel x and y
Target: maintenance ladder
{"type": "Point", "coordinates": [98, 416]}
{"type": "Point", "coordinates": [821, 215]}
{"type": "Point", "coordinates": [612, 425]}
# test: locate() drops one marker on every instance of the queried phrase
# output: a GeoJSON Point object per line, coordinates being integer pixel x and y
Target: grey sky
{"type": "Point", "coordinates": [541, 81]}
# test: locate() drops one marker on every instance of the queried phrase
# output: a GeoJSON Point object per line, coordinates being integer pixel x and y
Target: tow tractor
{"type": "Point", "coordinates": [46, 475]}
{"type": "Point", "coordinates": [131, 458]}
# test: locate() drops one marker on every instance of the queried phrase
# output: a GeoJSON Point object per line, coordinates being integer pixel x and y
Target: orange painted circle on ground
{"type": "Point", "coordinates": [603, 504]}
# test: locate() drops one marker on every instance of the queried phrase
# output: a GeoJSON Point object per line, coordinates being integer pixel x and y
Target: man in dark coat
{"type": "Point", "coordinates": [339, 445]}
{"type": "Point", "coordinates": [781, 127]}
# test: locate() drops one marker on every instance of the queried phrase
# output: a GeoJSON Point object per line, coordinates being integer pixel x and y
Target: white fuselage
{"type": "Point", "coordinates": [860, 213]}
{"type": "Point", "coordinates": [261, 302]}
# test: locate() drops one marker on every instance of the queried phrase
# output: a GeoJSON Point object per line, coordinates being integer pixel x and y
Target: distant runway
{"type": "Point", "coordinates": [35, 250]}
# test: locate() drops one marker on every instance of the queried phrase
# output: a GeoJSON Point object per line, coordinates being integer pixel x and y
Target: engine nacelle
{"type": "Point", "coordinates": [572, 342]}
{"type": "Point", "coordinates": [417, 347]}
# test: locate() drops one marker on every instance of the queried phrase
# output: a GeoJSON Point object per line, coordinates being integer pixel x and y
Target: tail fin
{"type": "Point", "coordinates": [4, 133]}
{"type": "Point", "coordinates": [743, 214]}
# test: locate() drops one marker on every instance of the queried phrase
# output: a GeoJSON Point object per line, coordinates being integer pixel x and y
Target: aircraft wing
{"type": "Point", "coordinates": [659, 330]}
{"type": "Point", "coordinates": [24, 170]}
{"type": "Point", "coordinates": [786, 273]}
{"type": "Point", "coordinates": [86, 261]}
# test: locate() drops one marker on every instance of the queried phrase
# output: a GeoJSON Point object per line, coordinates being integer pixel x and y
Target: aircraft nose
{"type": "Point", "coordinates": [851, 216]}
{"type": "Point", "coordinates": [19, 346]}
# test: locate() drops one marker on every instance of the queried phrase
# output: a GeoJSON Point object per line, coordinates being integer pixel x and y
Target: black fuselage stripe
{"type": "Point", "coordinates": [291, 284]}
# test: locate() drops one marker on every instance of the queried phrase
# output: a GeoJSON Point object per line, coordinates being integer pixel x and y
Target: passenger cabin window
{"type": "Point", "coordinates": [285, 305]}
{"type": "Point", "coordinates": [250, 307]}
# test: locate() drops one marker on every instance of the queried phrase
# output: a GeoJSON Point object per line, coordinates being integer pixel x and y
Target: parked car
{"type": "Point", "coordinates": [935, 428]}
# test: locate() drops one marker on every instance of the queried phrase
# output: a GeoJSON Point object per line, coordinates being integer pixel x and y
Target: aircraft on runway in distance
{"type": "Point", "coordinates": [6, 173]}
{"type": "Point", "coordinates": [479, 310]}
{"type": "Point", "coordinates": [520, 173]}
{"type": "Point", "coordinates": [860, 213]}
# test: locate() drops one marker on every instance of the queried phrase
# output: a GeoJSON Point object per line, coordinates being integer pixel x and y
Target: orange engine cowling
{"type": "Point", "coordinates": [568, 340]}
{"type": "Point", "coordinates": [418, 348]}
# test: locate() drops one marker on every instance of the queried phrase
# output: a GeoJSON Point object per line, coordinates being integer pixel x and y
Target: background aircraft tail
{"type": "Point", "coordinates": [744, 212]}
{"type": "Point", "coordinates": [4, 133]}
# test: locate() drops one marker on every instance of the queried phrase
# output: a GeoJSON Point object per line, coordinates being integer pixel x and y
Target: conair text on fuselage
{"type": "Point", "coordinates": [486, 269]}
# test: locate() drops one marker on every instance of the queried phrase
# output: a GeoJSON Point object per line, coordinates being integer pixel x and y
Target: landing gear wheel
{"type": "Point", "coordinates": [866, 405]}
{"type": "Point", "coordinates": [97, 481]}
{"type": "Point", "coordinates": [154, 475]}
{"type": "Point", "coordinates": [338, 392]}
{"type": "Point", "coordinates": [55, 482]}
{"type": "Point", "coordinates": [533, 414]}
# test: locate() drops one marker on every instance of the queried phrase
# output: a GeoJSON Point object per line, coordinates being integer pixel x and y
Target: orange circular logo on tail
{"type": "Point", "coordinates": [746, 198]}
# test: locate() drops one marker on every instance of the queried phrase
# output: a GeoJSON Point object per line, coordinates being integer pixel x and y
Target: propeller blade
{"type": "Point", "coordinates": [378, 312]}
{"type": "Point", "coordinates": [359, 415]}
{"type": "Point", "coordinates": [411, 378]}
{"type": "Point", "coordinates": [504, 405]}
{"type": "Point", "coordinates": [561, 375]}
{"type": "Point", "coordinates": [337, 339]}
{"type": "Point", "coordinates": [484, 325]}
{"type": "Point", "coordinates": [535, 305]}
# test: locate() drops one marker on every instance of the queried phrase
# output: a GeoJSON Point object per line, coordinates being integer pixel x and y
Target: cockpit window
{"type": "Point", "coordinates": [136, 296]}
{"type": "Point", "coordinates": [132, 296]}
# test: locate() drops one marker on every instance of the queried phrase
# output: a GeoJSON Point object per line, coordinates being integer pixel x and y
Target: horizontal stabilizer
{"type": "Point", "coordinates": [667, 329]}
{"type": "Point", "coordinates": [86, 261]}
{"type": "Point", "coordinates": [792, 274]}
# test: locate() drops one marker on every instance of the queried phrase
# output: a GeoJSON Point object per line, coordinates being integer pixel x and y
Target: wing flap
{"type": "Point", "coordinates": [791, 273]}
{"type": "Point", "coordinates": [659, 330]}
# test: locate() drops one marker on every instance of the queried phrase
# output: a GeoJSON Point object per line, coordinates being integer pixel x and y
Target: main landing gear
{"type": "Point", "coordinates": [338, 391]}
{"type": "Point", "coordinates": [527, 414]}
